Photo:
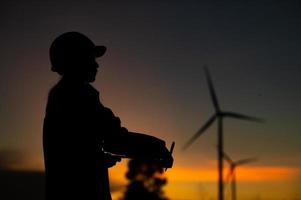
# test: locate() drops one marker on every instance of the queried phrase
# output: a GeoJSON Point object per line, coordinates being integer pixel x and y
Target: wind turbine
{"type": "Point", "coordinates": [219, 115]}
{"type": "Point", "coordinates": [232, 174]}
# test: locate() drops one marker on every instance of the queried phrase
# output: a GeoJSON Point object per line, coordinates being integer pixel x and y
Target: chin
{"type": "Point", "coordinates": [91, 79]}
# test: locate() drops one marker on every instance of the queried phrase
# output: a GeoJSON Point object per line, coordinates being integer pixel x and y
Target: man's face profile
{"type": "Point", "coordinates": [86, 68]}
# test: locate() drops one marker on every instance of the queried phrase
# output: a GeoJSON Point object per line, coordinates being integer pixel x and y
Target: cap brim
{"type": "Point", "coordinates": [100, 51]}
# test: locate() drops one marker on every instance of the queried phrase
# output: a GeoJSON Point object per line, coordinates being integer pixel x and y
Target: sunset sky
{"type": "Point", "coordinates": [152, 78]}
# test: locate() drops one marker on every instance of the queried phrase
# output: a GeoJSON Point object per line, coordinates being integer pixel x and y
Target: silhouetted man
{"type": "Point", "coordinates": [77, 127]}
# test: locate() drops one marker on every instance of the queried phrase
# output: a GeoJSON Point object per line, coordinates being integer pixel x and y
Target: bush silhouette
{"type": "Point", "coordinates": [146, 181]}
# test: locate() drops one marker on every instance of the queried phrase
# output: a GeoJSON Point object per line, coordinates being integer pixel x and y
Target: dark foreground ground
{"type": "Point", "coordinates": [15, 185]}
{"type": "Point", "coordinates": [26, 185]}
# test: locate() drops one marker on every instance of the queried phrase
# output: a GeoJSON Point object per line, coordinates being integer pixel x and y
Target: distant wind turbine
{"type": "Point", "coordinates": [219, 116]}
{"type": "Point", "coordinates": [232, 175]}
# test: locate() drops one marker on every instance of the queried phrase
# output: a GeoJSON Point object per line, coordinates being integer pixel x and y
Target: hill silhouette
{"type": "Point", "coordinates": [27, 185]}
{"type": "Point", "coordinates": [16, 185]}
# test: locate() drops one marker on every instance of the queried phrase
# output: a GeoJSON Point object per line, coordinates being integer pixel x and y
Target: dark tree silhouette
{"type": "Point", "coordinates": [146, 180]}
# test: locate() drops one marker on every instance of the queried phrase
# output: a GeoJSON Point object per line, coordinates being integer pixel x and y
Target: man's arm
{"type": "Point", "coordinates": [119, 141]}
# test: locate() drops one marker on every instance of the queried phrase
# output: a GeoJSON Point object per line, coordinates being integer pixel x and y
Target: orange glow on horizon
{"type": "Point", "coordinates": [247, 174]}
{"type": "Point", "coordinates": [194, 174]}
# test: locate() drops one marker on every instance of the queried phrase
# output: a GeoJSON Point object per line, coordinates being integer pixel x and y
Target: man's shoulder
{"type": "Point", "coordinates": [64, 96]}
{"type": "Point", "coordinates": [66, 88]}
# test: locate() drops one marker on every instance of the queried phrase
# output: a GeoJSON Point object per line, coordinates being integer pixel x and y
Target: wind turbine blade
{"type": "Point", "coordinates": [199, 132]}
{"type": "Point", "coordinates": [211, 89]}
{"type": "Point", "coordinates": [242, 117]}
{"type": "Point", "coordinates": [229, 175]}
{"type": "Point", "coordinates": [227, 158]}
{"type": "Point", "coordinates": [245, 161]}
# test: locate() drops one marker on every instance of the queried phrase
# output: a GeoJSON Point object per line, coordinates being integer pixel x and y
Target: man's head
{"type": "Point", "coordinates": [73, 54]}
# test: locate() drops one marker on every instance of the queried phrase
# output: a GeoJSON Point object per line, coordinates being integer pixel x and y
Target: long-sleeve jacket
{"type": "Point", "coordinates": [75, 126]}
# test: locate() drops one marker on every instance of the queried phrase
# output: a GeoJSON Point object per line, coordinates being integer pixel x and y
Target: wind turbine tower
{"type": "Point", "coordinates": [219, 115]}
